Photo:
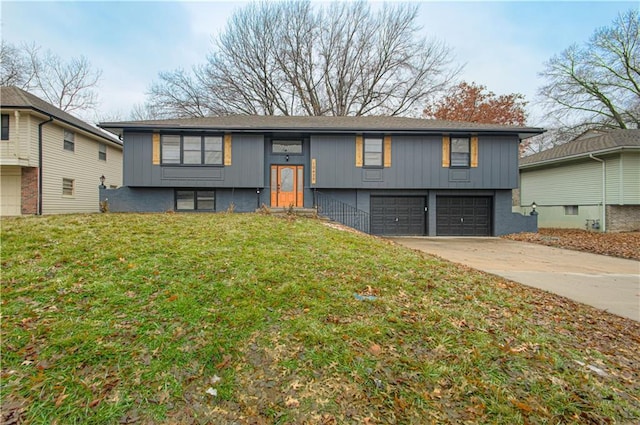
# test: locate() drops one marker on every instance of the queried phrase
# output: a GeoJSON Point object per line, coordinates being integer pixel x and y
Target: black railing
{"type": "Point", "coordinates": [341, 212]}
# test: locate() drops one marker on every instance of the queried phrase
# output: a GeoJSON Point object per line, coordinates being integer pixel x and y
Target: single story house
{"type": "Point", "coordinates": [383, 175]}
{"type": "Point", "coordinates": [50, 161]}
{"type": "Point", "coordinates": [591, 182]}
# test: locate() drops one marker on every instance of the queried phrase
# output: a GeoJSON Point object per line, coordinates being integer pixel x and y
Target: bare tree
{"type": "Point", "coordinates": [15, 68]}
{"type": "Point", "coordinates": [294, 58]}
{"type": "Point", "coordinates": [597, 85]}
{"type": "Point", "coordinates": [69, 85]}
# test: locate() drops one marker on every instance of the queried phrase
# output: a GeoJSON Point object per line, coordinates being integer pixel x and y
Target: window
{"type": "Point", "coordinates": [171, 149]}
{"type": "Point", "coordinates": [69, 141]}
{"type": "Point", "coordinates": [195, 200]}
{"type": "Point", "coordinates": [102, 152]}
{"type": "Point", "coordinates": [5, 127]}
{"type": "Point", "coordinates": [191, 150]}
{"type": "Point", "coordinates": [460, 152]}
{"type": "Point", "coordinates": [570, 210]}
{"type": "Point", "coordinates": [68, 186]}
{"type": "Point", "coordinates": [372, 152]}
{"type": "Point", "coordinates": [213, 150]}
{"type": "Point", "coordinates": [286, 146]}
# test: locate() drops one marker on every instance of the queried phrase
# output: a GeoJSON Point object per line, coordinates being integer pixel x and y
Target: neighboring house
{"type": "Point", "coordinates": [50, 161]}
{"type": "Point", "coordinates": [572, 182]}
{"type": "Point", "coordinates": [383, 175]}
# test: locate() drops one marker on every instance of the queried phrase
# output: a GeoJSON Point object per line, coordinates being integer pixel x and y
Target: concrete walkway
{"type": "Point", "coordinates": [608, 283]}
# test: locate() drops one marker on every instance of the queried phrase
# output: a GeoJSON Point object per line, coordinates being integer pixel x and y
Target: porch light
{"type": "Point", "coordinates": [102, 179]}
{"type": "Point", "coordinates": [533, 208]}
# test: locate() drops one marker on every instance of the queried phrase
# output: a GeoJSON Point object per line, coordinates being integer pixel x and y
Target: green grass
{"type": "Point", "coordinates": [115, 318]}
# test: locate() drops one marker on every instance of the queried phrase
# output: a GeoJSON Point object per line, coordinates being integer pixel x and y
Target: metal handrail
{"type": "Point", "coordinates": [341, 212]}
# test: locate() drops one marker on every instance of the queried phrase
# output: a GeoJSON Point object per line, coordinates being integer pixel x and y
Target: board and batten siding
{"type": "Point", "coordinates": [82, 165]}
{"type": "Point", "coordinates": [416, 164]}
{"type": "Point", "coordinates": [246, 169]}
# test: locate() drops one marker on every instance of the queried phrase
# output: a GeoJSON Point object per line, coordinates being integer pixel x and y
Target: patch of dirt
{"type": "Point", "coordinates": [623, 245]}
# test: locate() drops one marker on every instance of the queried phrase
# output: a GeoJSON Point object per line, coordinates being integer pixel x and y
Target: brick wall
{"type": "Point", "coordinates": [29, 190]}
{"type": "Point", "coordinates": [623, 218]}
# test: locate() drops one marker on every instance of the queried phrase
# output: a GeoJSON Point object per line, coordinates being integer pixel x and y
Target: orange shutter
{"type": "Point", "coordinates": [227, 149]}
{"type": "Point", "coordinates": [156, 149]}
{"type": "Point", "coordinates": [387, 151]}
{"type": "Point", "coordinates": [446, 145]}
{"type": "Point", "coordinates": [358, 150]}
{"type": "Point", "coordinates": [474, 151]}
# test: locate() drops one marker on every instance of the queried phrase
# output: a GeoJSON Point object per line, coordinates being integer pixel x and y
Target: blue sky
{"type": "Point", "coordinates": [503, 44]}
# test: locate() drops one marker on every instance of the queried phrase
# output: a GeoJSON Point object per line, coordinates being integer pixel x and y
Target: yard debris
{"type": "Point", "coordinates": [623, 245]}
{"type": "Point", "coordinates": [212, 391]}
{"type": "Point", "coordinates": [364, 297]}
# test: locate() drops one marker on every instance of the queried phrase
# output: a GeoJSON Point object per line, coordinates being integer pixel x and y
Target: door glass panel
{"type": "Point", "coordinates": [286, 180]}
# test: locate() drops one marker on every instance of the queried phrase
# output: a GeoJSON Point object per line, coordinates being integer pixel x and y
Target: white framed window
{"type": "Point", "coordinates": [570, 210]}
{"type": "Point", "coordinates": [372, 152]}
{"type": "Point", "coordinates": [69, 141]}
{"type": "Point", "coordinates": [102, 152]}
{"type": "Point", "coordinates": [68, 187]}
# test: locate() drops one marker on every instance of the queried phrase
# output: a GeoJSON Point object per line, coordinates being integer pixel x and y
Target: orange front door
{"type": "Point", "coordinates": [287, 185]}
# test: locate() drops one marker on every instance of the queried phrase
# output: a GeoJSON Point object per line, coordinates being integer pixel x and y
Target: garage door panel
{"type": "Point", "coordinates": [463, 216]}
{"type": "Point", "coordinates": [397, 215]}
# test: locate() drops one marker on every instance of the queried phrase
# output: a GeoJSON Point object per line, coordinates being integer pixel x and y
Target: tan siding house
{"type": "Point", "coordinates": [50, 161]}
{"type": "Point", "coordinates": [592, 182]}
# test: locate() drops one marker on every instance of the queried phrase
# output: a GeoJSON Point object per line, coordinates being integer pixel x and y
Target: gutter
{"type": "Point", "coordinates": [604, 191]}
{"type": "Point", "coordinates": [39, 209]}
{"type": "Point", "coordinates": [544, 162]}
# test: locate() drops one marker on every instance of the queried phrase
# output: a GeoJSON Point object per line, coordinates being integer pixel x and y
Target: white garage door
{"type": "Point", "coordinates": [10, 178]}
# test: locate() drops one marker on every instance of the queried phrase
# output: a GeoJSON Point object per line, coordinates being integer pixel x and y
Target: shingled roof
{"type": "Point", "coordinates": [591, 142]}
{"type": "Point", "coordinates": [322, 124]}
{"type": "Point", "coordinates": [15, 98]}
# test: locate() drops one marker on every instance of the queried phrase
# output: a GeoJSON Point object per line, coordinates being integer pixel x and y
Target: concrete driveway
{"type": "Point", "coordinates": [608, 283]}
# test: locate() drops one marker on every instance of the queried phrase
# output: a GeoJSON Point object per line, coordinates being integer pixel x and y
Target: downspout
{"type": "Point", "coordinates": [40, 163]}
{"type": "Point", "coordinates": [604, 191]}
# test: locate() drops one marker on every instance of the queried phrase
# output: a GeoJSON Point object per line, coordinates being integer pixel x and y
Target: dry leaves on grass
{"type": "Point", "coordinates": [623, 245]}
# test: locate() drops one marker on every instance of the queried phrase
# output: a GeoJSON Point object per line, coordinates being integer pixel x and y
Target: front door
{"type": "Point", "coordinates": [287, 185]}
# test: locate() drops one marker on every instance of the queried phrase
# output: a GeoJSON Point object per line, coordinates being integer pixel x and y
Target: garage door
{"type": "Point", "coordinates": [10, 199]}
{"type": "Point", "coordinates": [398, 215]}
{"type": "Point", "coordinates": [463, 216]}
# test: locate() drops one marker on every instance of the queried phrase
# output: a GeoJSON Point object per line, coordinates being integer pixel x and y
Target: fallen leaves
{"type": "Point", "coordinates": [624, 245]}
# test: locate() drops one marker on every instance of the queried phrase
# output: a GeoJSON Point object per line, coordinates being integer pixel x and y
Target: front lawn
{"type": "Point", "coordinates": [249, 318]}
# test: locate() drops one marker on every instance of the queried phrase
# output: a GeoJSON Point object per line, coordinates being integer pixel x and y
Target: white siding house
{"type": "Point", "coordinates": [50, 161]}
{"type": "Point", "coordinates": [592, 182]}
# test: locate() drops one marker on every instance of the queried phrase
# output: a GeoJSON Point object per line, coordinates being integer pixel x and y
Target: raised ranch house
{"type": "Point", "coordinates": [592, 182]}
{"type": "Point", "coordinates": [382, 175]}
{"type": "Point", "coordinates": [50, 161]}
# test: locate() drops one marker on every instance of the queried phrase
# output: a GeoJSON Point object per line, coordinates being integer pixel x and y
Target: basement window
{"type": "Point", "coordinates": [195, 200]}
{"type": "Point", "coordinates": [570, 210]}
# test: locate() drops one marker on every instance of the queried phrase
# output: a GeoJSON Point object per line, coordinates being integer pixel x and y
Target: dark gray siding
{"type": "Point", "coordinates": [245, 171]}
{"type": "Point", "coordinates": [416, 164]}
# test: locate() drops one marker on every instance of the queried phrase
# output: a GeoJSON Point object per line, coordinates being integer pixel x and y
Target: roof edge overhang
{"type": "Point", "coordinates": [84, 130]}
{"type": "Point", "coordinates": [523, 133]}
{"type": "Point", "coordinates": [583, 155]}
